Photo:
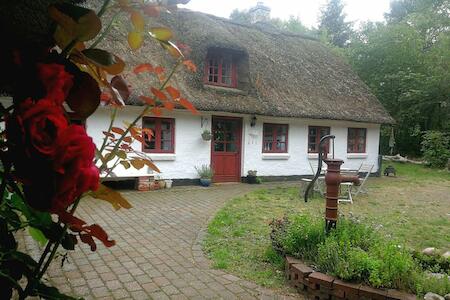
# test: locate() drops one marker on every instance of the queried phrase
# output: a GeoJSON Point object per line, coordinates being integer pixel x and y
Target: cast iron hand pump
{"type": "Point", "coordinates": [333, 179]}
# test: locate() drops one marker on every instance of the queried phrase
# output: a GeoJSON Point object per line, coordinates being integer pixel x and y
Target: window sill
{"type": "Point", "coordinates": [224, 89]}
{"type": "Point", "coordinates": [275, 156]}
{"type": "Point", "coordinates": [162, 156]}
{"type": "Point", "coordinates": [356, 155]}
{"type": "Point", "coordinates": [313, 155]}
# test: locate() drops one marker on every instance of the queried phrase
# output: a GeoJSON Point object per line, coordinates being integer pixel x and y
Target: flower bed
{"type": "Point", "coordinates": [354, 253]}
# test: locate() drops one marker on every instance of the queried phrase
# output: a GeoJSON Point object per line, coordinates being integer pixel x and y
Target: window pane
{"type": "Point", "coordinates": [150, 145]}
{"type": "Point", "coordinates": [268, 145]}
{"type": "Point", "coordinates": [281, 146]}
{"type": "Point", "coordinates": [231, 147]}
{"type": "Point", "coordinates": [324, 132]}
{"type": "Point", "coordinates": [219, 147]}
{"type": "Point", "coordinates": [166, 145]}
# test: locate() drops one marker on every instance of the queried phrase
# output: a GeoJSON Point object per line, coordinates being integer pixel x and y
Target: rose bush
{"type": "Point", "coordinates": [54, 160]}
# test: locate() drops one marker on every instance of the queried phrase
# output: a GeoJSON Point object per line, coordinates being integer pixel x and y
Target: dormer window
{"type": "Point", "coordinates": [220, 69]}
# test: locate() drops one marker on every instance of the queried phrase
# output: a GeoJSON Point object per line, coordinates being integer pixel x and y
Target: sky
{"type": "Point", "coordinates": [307, 10]}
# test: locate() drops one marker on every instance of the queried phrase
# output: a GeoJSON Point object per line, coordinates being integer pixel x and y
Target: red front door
{"type": "Point", "coordinates": [226, 149]}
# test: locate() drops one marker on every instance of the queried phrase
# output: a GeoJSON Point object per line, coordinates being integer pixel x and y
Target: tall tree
{"type": "Point", "coordinates": [241, 16]}
{"type": "Point", "coordinates": [406, 63]}
{"type": "Point", "coordinates": [332, 23]}
{"type": "Point", "coordinates": [293, 24]}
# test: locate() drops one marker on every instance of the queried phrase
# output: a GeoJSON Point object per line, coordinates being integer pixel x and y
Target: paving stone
{"type": "Point", "coordinates": [114, 285]}
{"type": "Point", "coordinates": [139, 295]}
{"type": "Point", "coordinates": [150, 287]}
{"type": "Point", "coordinates": [100, 292]}
{"type": "Point", "coordinates": [121, 294]}
{"type": "Point", "coordinates": [159, 296]}
{"type": "Point", "coordinates": [158, 253]}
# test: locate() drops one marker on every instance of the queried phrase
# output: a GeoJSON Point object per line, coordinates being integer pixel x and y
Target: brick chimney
{"type": "Point", "coordinates": [259, 13]}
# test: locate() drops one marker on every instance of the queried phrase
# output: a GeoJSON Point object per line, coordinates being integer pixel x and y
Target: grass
{"type": "Point", "coordinates": [412, 208]}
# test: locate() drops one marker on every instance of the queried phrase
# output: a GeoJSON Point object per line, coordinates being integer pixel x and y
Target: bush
{"type": "Point", "coordinates": [435, 148]}
{"type": "Point", "coordinates": [303, 236]}
{"type": "Point", "coordinates": [356, 252]}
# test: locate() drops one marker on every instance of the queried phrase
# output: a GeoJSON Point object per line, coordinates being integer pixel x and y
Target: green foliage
{"type": "Point", "coordinates": [352, 252]}
{"type": "Point", "coordinates": [405, 62]}
{"type": "Point", "coordinates": [424, 284]}
{"type": "Point", "coordinates": [432, 263]}
{"type": "Point", "coordinates": [436, 148]}
{"type": "Point", "coordinates": [332, 24]}
{"type": "Point", "coordinates": [302, 237]}
{"type": "Point", "coordinates": [293, 24]}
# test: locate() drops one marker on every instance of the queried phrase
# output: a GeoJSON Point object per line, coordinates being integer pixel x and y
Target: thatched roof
{"type": "Point", "coordinates": [281, 75]}
{"type": "Point", "coordinates": [287, 75]}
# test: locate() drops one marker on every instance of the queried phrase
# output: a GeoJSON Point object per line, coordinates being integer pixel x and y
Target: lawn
{"type": "Point", "coordinates": [413, 208]}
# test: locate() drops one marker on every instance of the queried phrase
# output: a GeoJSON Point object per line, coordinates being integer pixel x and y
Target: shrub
{"type": "Point", "coordinates": [356, 252]}
{"type": "Point", "coordinates": [393, 268]}
{"type": "Point", "coordinates": [341, 259]}
{"type": "Point", "coordinates": [303, 236]}
{"type": "Point", "coordinates": [435, 148]}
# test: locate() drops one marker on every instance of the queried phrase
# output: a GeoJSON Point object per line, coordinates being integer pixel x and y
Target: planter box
{"type": "Point", "coordinates": [318, 286]}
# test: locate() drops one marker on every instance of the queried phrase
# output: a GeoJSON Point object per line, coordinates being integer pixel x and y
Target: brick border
{"type": "Point", "coordinates": [321, 286]}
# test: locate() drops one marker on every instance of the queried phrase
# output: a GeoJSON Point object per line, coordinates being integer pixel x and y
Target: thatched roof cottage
{"type": "Point", "coordinates": [267, 97]}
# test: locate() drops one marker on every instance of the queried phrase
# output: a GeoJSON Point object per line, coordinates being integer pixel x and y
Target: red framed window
{"type": "Point", "coordinates": [356, 140]}
{"type": "Point", "coordinates": [315, 133]}
{"type": "Point", "coordinates": [220, 69]}
{"type": "Point", "coordinates": [275, 138]}
{"type": "Point", "coordinates": [163, 139]}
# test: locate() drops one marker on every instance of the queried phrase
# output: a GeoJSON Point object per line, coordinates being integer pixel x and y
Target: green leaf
{"type": "Point", "coordinates": [37, 235]}
{"type": "Point", "coordinates": [110, 156]}
{"type": "Point", "coordinates": [122, 154]}
{"type": "Point", "coordinates": [34, 217]}
{"type": "Point", "coordinates": [102, 57]}
{"type": "Point", "coordinates": [109, 62]}
{"type": "Point", "coordinates": [125, 164]}
{"type": "Point", "coordinates": [77, 22]}
{"type": "Point", "coordinates": [161, 33]}
{"type": "Point", "coordinates": [10, 216]}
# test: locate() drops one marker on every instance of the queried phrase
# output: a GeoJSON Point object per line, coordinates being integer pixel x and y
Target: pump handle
{"type": "Point", "coordinates": [319, 165]}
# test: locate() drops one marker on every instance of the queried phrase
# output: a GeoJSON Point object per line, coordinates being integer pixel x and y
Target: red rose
{"type": "Point", "coordinates": [56, 80]}
{"type": "Point", "coordinates": [74, 164]}
{"type": "Point", "coordinates": [42, 122]}
{"type": "Point", "coordinates": [53, 160]}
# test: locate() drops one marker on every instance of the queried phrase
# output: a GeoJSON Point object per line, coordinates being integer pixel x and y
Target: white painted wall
{"type": "Point", "coordinates": [191, 150]}
{"type": "Point", "coordinates": [296, 161]}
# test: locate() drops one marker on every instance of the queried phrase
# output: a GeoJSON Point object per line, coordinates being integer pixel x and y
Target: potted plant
{"type": "Point", "coordinates": [251, 177]}
{"type": "Point", "coordinates": [206, 173]}
{"type": "Point", "coordinates": [206, 135]}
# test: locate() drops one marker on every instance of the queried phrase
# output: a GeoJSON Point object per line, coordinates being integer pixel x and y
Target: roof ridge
{"type": "Point", "coordinates": [254, 26]}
